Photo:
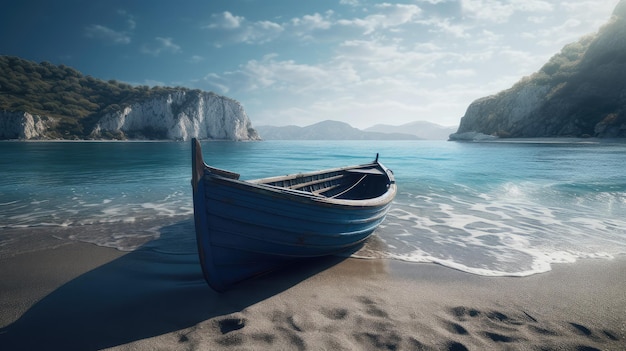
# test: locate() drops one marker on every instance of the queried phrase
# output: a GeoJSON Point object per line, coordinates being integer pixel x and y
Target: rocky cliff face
{"type": "Point", "coordinates": [180, 116]}
{"type": "Point", "coordinates": [23, 125]}
{"type": "Point", "coordinates": [579, 92]}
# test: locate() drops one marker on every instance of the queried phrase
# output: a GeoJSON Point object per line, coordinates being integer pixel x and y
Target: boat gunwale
{"type": "Point", "coordinates": [228, 177]}
{"type": "Point", "coordinates": [299, 195]}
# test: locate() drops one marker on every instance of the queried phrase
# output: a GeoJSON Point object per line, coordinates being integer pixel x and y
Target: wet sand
{"type": "Point", "coordinates": [79, 296]}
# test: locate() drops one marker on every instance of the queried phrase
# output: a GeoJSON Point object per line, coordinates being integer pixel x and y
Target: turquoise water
{"type": "Point", "coordinates": [500, 208]}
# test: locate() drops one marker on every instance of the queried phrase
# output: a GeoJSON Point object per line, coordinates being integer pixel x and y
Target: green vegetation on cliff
{"type": "Point", "coordinates": [579, 92]}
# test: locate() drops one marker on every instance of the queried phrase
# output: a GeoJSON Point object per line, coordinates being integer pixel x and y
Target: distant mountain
{"type": "Point", "coordinates": [421, 129]}
{"type": "Point", "coordinates": [580, 92]}
{"type": "Point", "coordinates": [326, 130]}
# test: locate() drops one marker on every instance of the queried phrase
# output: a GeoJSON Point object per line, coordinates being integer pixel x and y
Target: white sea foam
{"type": "Point", "coordinates": [35, 202]}
{"type": "Point", "coordinates": [79, 210]}
{"type": "Point", "coordinates": [514, 230]}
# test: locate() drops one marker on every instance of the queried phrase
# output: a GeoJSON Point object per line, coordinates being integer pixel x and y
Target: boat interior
{"type": "Point", "coordinates": [354, 184]}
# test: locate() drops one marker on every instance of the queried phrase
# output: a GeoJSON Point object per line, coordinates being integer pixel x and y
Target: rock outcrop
{"type": "Point", "coordinates": [580, 92]}
{"type": "Point", "coordinates": [45, 101]}
{"type": "Point", "coordinates": [23, 125]}
{"type": "Point", "coordinates": [181, 115]}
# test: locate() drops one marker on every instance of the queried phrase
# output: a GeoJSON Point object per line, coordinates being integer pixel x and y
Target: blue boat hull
{"type": "Point", "coordinates": [245, 229]}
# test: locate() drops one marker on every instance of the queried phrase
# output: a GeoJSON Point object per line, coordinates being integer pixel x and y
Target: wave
{"type": "Point", "coordinates": [516, 229]}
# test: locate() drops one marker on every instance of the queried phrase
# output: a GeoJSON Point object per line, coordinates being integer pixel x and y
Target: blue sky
{"type": "Point", "coordinates": [300, 62]}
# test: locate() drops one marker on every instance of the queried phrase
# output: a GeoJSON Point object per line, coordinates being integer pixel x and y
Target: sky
{"type": "Point", "coordinates": [297, 62]}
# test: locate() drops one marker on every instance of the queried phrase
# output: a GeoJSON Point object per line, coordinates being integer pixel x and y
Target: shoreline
{"type": "Point", "coordinates": [115, 140]}
{"type": "Point", "coordinates": [80, 296]}
{"type": "Point", "coordinates": [529, 140]}
{"type": "Point", "coordinates": [486, 139]}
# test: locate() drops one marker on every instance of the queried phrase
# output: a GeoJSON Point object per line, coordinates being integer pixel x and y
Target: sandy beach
{"type": "Point", "coordinates": [79, 296]}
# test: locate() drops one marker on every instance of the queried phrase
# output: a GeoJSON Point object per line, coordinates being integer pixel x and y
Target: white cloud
{"type": "Point", "coordinates": [499, 12]}
{"type": "Point", "coordinates": [107, 34]}
{"type": "Point", "coordinates": [236, 29]}
{"type": "Point", "coordinates": [557, 35]}
{"type": "Point", "coordinates": [386, 16]}
{"type": "Point", "coordinates": [130, 19]}
{"type": "Point", "coordinates": [537, 19]}
{"type": "Point", "coordinates": [444, 25]}
{"type": "Point", "coordinates": [434, 2]}
{"type": "Point", "coordinates": [312, 22]}
{"type": "Point", "coordinates": [258, 32]}
{"type": "Point", "coordinates": [225, 20]}
{"type": "Point", "coordinates": [195, 59]}
{"type": "Point", "coordinates": [488, 37]}
{"type": "Point", "coordinates": [163, 45]}
{"type": "Point", "coordinates": [110, 35]}
{"type": "Point", "coordinates": [397, 14]}
{"type": "Point", "coordinates": [217, 82]}
{"type": "Point", "coordinates": [384, 60]}
{"type": "Point", "coordinates": [592, 8]}
{"type": "Point", "coordinates": [461, 73]}
{"type": "Point", "coordinates": [537, 6]}
{"type": "Point", "coordinates": [591, 14]}
{"type": "Point", "coordinates": [167, 44]}
{"type": "Point", "coordinates": [287, 75]}
{"type": "Point", "coordinates": [349, 2]}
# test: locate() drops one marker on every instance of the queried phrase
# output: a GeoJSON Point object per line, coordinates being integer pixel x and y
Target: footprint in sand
{"type": "Point", "coordinates": [372, 308]}
{"type": "Point", "coordinates": [461, 312]}
{"type": "Point", "coordinates": [289, 327]}
{"type": "Point", "coordinates": [456, 346]}
{"type": "Point", "coordinates": [496, 323]}
{"type": "Point", "coordinates": [499, 337]}
{"type": "Point", "coordinates": [610, 335]}
{"type": "Point", "coordinates": [228, 325]}
{"type": "Point", "coordinates": [335, 313]}
{"type": "Point", "coordinates": [455, 328]}
{"type": "Point", "coordinates": [542, 331]}
{"type": "Point", "coordinates": [581, 329]}
{"type": "Point", "coordinates": [598, 337]}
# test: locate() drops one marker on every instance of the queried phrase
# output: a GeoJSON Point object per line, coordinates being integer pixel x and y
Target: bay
{"type": "Point", "coordinates": [495, 208]}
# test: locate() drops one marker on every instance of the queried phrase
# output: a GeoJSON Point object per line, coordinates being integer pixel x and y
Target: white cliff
{"type": "Point", "coordinates": [180, 115]}
{"type": "Point", "coordinates": [504, 112]}
{"type": "Point", "coordinates": [23, 125]}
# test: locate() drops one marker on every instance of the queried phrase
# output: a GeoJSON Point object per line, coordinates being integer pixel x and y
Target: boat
{"type": "Point", "coordinates": [245, 228]}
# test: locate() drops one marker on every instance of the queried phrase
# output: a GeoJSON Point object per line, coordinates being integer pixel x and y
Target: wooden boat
{"type": "Point", "coordinates": [246, 228]}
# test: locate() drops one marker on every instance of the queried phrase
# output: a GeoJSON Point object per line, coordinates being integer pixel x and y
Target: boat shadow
{"type": "Point", "coordinates": [154, 290]}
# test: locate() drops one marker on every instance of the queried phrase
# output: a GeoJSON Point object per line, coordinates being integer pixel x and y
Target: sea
{"type": "Point", "coordinates": [503, 208]}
